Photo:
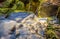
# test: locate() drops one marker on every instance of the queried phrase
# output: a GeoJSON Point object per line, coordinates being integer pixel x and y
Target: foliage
{"type": "Point", "coordinates": [58, 14]}
{"type": "Point", "coordinates": [5, 11]}
{"type": "Point", "coordinates": [2, 10]}
{"type": "Point", "coordinates": [39, 7]}
{"type": "Point", "coordinates": [20, 5]}
{"type": "Point", "coordinates": [25, 2]}
{"type": "Point", "coordinates": [50, 33]}
{"type": "Point", "coordinates": [7, 3]}
{"type": "Point", "coordinates": [11, 5]}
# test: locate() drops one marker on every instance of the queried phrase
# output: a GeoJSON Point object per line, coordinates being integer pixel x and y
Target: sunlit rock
{"type": "Point", "coordinates": [9, 24]}
{"type": "Point", "coordinates": [5, 28]}
{"type": "Point", "coordinates": [27, 27]}
{"type": "Point", "coordinates": [31, 28]}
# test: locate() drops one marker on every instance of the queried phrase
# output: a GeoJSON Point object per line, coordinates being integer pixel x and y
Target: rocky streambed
{"type": "Point", "coordinates": [22, 26]}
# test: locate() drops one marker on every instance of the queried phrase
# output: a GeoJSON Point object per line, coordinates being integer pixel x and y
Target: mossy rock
{"type": "Point", "coordinates": [48, 10]}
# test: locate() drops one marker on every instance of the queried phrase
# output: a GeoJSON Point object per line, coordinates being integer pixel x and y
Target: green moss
{"type": "Point", "coordinates": [50, 32]}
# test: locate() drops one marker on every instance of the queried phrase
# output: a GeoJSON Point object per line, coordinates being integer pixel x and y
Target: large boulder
{"type": "Point", "coordinates": [30, 28]}
{"type": "Point", "coordinates": [5, 29]}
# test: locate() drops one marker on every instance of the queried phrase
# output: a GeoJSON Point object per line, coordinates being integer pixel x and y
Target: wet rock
{"type": "Point", "coordinates": [2, 17]}
{"type": "Point", "coordinates": [32, 28]}
{"type": "Point", "coordinates": [18, 16]}
{"type": "Point", "coordinates": [5, 28]}
{"type": "Point", "coordinates": [29, 27]}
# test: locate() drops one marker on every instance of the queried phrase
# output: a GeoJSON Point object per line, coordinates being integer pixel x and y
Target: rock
{"type": "Point", "coordinates": [1, 30]}
{"type": "Point", "coordinates": [18, 20]}
{"type": "Point", "coordinates": [5, 28]}
{"type": "Point", "coordinates": [9, 24]}
{"type": "Point", "coordinates": [18, 16]}
{"type": "Point", "coordinates": [31, 28]}
{"type": "Point", "coordinates": [30, 17]}
{"type": "Point", "coordinates": [2, 17]}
